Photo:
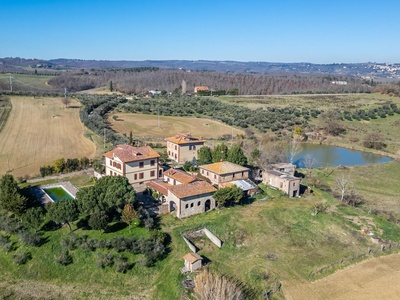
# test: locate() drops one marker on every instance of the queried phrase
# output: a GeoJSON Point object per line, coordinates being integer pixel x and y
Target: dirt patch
{"type": "Point", "coordinates": [376, 278]}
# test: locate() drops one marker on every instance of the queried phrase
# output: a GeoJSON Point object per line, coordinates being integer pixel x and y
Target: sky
{"type": "Point", "coordinates": [339, 31]}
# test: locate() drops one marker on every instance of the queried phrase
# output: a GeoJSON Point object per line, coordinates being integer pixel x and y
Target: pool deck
{"type": "Point", "coordinates": [44, 198]}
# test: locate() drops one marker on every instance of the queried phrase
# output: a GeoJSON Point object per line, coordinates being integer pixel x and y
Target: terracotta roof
{"type": "Point", "coordinates": [184, 138]}
{"type": "Point", "coordinates": [127, 153]}
{"type": "Point", "coordinates": [224, 167]}
{"type": "Point", "coordinates": [192, 257]}
{"type": "Point", "coordinates": [200, 88]}
{"type": "Point", "coordinates": [179, 175]}
{"type": "Point", "coordinates": [159, 186]}
{"type": "Point", "coordinates": [192, 189]}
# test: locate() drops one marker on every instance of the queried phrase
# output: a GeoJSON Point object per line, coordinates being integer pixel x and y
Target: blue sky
{"type": "Point", "coordinates": [263, 30]}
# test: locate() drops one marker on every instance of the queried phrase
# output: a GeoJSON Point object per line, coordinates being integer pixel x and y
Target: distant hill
{"type": "Point", "coordinates": [373, 70]}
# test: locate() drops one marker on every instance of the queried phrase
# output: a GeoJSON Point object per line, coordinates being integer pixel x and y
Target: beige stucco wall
{"type": "Point", "coordinates": [181, 153]}
{"type": "Point", "coordinates": [217, 179]}
{"type": "Point", "coordinates": [130, 169]}
{"type": "Point", "coordinates": [195, 204]}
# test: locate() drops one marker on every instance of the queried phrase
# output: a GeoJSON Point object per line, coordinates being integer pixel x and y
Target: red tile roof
{"type": "Point", "coordinates": [179, 175]}
{"type": "Point", "coordinates": [192, 257]}
{"type": "Point", "coordinates": [127, 153]}
{"type": "Point", "coordinates": [159, 186]}
{"type": "Point", "coordinates": [192, 189]}
{"type": "Point", "coordinates": [184, 138]}
{"type": "Point", "coordinates": [223, 167]}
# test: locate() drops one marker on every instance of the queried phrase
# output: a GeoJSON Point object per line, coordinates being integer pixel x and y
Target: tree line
{"type": "Point", "coordinates": [138, 82]}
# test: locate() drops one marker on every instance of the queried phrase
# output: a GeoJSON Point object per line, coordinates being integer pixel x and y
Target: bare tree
{"type": "Point", "coordinates": [309, 162]}
{"type": "Point", "coordinates": [343, 184]}
{"type": "Point", "coordinates": [66, 101]}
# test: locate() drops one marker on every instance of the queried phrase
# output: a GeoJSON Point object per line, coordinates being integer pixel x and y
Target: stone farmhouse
{"type": "Point", "coordinates": [183, 147]}
{"type": "Point", "coordinates": [287, 168]}
{"type": "Point", "coordinates": [289, 184]}
{"type": "Point", "coordinates": [184, 193]}
{"type": "Point", "coordinates": [222, 172]}
{"type": "Point", "coordinates": [138, 164]}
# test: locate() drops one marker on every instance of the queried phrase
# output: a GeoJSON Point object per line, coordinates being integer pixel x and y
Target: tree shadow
{"type": "Point", "coordinates": [83, 224]}
{"type": "Point", "coordinates": [51, 226]}
{"type": "Point", "coordinates": [116, 227]}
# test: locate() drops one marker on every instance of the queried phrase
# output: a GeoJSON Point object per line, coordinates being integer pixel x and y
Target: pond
{"type": "Point", "coordinates": [329, 156]}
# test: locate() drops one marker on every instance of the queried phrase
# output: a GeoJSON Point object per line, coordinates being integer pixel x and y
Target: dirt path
{"type": "Point", "coordinates": [376, 278]}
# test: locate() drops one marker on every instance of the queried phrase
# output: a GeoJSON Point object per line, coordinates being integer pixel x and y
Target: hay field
{"type": "Point", "coordinates": [146, 127]}
{"type": "Point", "coordinates": [39, 131]}
{"type": "Point", "coordinates": [375, 278]}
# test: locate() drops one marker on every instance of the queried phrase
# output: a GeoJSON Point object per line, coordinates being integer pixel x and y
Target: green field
{"type": "Point", "coordinates": [5, 109]}
{"type": "Point", "coordinates": [28, 82]}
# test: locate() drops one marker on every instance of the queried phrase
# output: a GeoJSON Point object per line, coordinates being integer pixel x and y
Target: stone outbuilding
{"type": "Point", "coordinates": [289, 184]}
{"type": "Point", "coordinates": [193, 262]}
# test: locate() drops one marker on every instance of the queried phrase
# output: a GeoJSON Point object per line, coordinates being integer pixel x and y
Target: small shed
{"type": "Point", "coordinates": [193, 261]}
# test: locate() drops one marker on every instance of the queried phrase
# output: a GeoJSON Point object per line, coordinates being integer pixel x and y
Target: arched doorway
{"type": "Point", "coordinates": [172, 206]}
{"type": "Point", "coordinates": [207, 205]}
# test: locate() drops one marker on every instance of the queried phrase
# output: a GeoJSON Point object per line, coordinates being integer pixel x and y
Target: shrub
{"type": "Point", "coordinates": [21, 257]}
{"type": "Point", "coordinates": [30, 239]}
{"type": "Point", "coordinates": [98, 220]}
{"type": "Point", "coordinates": [69, 242]}
{"type": "Point", "coordinates": [64, 258]}
{"type": "Point", "coordinates": [105, 260]}
{"type": "Point", "coordinates": [5, 243]}
{"type": "Point", "coordinates": [122, 264]}
{"type": "Point", "coordinates": [89, 244]}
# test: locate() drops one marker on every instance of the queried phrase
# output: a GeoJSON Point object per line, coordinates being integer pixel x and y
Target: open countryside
{"type": "Point", "coordinates": [40, 130]}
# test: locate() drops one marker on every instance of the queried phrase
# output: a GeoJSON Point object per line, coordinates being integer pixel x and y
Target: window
{"type": "Point", "coordinates": [169, 153]}
{"type": "Point", "coordinates": [111, 174]}
{"type": "Point", "coordinates": [176, 147]}
{"type": "Point", "coordinates": [111, 162]}
{"type": "Point", "coordinates": [135, 176]}
{"type": "Point", "coordinates": [152, 173]}
{"type": "Point", "coordinates": [233, 175]}
{"type": "Point", "coordinates": [141, 164]}
{"type": "Point", "coordinates": [281, 185]}
{"type": "Point", "coordinates": [242, 174]}
{"type": "Point", "coordinates": [191, 204]}
{"type": "Point", "coordinates": [192, 147]}
{"type": "Point", "coordinates": [207, 173]}
{"type": "Point", "coordinates": [202, 171]}
{"type": "Point", "coordinates": [294, 183]}
{"type": "Point", "coordinates": [141, 175]}
{"type": "Point", "coordinates": [187, 206]}
{"type": "Point", "coordinates": [215, 176]}
{"type": "Point", "coordinates": [152, 162]}
{"type": "Point", "coordinates": [198, 203]}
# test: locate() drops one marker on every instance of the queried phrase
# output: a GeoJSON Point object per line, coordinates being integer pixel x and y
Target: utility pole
{"type": "Point", "coordinates": [11, 88]}
{"type": "Point", "coordinates": [233, 122]}
{"type": "Point", "coordinates": [104, 138]}
{"type": "Point", "coordinates": [158, 114]}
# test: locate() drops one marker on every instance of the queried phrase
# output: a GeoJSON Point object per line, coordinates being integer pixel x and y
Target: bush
{"type": "Point", "coordinates": [105, 260]}
{"type": "Point", "coordinates": [30, 239]}
{"type": "Point", "coordinates": [70, 242]}
{"type": "Point", "coordinates": [5, 243]}
{"type": "Point", "coordinates": [21, 257]}
{"type": "Point", "coordinates": [64, 258]}
{"type": "Point", "coordinates": [98, 220]}
{"type": "Point", "coordinates": [122, 264]}
{"type": "Point", "coordinates": [89, 244]}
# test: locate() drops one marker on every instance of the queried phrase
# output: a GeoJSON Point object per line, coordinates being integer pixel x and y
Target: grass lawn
{"type": "Point", "coordinates": [22, 81]}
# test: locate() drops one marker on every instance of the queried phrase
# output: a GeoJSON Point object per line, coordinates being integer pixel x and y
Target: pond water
{"type": "Point", "coordinates": [57, 193]}
{"type": "Point", "coordinates": [329, 156]}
